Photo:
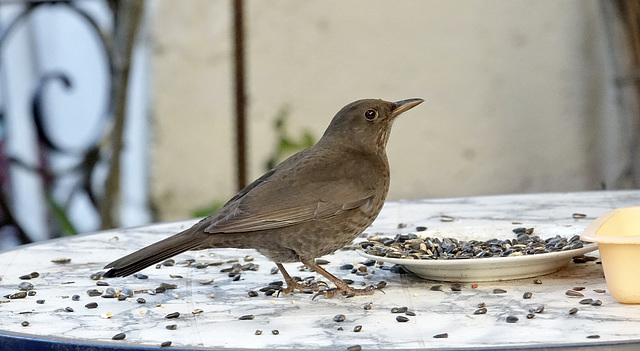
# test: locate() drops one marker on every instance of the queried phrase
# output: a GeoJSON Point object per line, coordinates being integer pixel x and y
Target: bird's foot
{"type": "Point", "coordinates": [348, 291]}
{"type": "Point", "coordinates": [308, 286]}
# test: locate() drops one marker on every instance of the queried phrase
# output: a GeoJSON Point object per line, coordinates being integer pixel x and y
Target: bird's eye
{"type": "Point", "coordinates": [370, 114]}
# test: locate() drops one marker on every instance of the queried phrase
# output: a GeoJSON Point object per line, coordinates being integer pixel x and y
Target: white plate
{"type": "Point", "coordinates": [493, 268]}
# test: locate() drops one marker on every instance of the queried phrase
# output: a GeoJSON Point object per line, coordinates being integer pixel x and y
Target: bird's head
{"type": "Point", "coordinates": [366, 124]}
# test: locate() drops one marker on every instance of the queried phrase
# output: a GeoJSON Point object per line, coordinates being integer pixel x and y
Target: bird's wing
{"type": "Point", "coordinates": [277, 204]}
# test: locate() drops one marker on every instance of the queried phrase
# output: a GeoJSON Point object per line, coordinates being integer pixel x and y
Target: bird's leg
{"type": "Point", "coordinates": [292, 284]}
{"type": "Point", "coordinates": [341, 286]}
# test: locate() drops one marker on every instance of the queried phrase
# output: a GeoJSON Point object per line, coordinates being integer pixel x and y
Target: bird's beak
{"type": "Point", "coordinates": [404, 105]}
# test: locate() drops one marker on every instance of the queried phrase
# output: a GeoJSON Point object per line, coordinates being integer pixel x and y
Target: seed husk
{"type": "Point", "coordinates": [402, 319]}
{"type": "Point", "coordinates": [596, 303]}
{"type": "Point", "coordinates": [18, 295]}
{"type": "Point", "coordinates": [593, 336]}
{"type": "Point", "coordinates": [357, 328]}
{"type": "Point", "coordinates": [530, 316]}
{"type": "Point", "coordinates": [600, 291]}
{"type": "Point", "coordinates": [499, 291]}
{"type": "Point", "coordinates": [172, 315]}
{"type": "Point", "coordinates": [339, 318]}
{"type": "Point", "coordinates": [444, 218]}
{"type": "Point", "coordinates": [75, 297]}
{"type": "Point", "coordinates": [368, 306]}
{"type": "Point", "coordinates": [172, 327]}
{"type": "Point", "coordinates": [61, 260]}
{"type": "Point", "coordinates": [578, 288]}
{"type": "Point", "coordinates": [165, 344]}
{"type": "Point", "coordinates": [31, 293]}
{"type": "Point", "coordinates": [399, 309]}
{"type": "Point", "coordinates": [441, 336]}
{"type": "Point", "coordinates": [68, 309]}
{"type": "Point", "coordinates": [538, 309]}
{"type": "Point", "coordinates": [141, 300]}
{"type": "Point", "coordinates": [119, 336]}
{"type": "Point", "coordinates": [410, 313]}
{"type": "Point", "coordinates": [586, 301]}
{"type": "Point", "coordinates": [25, 323]}
{"type": "Point", "coordinates": [511, 319]}
{"type": "Point", "coordinates": [573, 311]}
{"type": "Point", "coordinates": [354, 348]}
{"type": "Point", "coordinates": [436, 288]}
{"type": "Point", "coordinates": [578, 215]}
{"type": "Point", "coordinates": [573, 293]}
{"type": "Point", "coordinates": [481, 310]}
{"type": "Point", "coordinates": [247, 317]}
{"type": "Point", "coordinates": [537, 281]}
{"type": "Point", "coordinates": [275, 332]}
{"type": "Point", "coordinates": [25, 286]}
{"type": "Point", "coordinates": [40, 302]}
{"type": "Point", "coordinates": [94, 292]}
{"type": "Point", "coordinates": [91, 305]}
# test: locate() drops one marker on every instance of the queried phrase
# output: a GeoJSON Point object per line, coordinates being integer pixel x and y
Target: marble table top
{"type": "Point", "coordinates": [210, 303]}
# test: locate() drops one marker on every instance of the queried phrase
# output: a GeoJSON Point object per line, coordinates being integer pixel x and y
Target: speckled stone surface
{"type": "Point", "coordinates": [304, 323]}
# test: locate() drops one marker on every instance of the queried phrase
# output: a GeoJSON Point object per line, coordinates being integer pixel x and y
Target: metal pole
{"type": "Point", "coordinates": [238, 33]}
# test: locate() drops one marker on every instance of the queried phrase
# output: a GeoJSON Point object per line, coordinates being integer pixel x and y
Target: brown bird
{"type": "Point", "coordinates": [310, 205]}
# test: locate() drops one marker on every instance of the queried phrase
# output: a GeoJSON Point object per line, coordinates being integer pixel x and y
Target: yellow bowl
{"type": "Point", "coordinates": [617, 233]}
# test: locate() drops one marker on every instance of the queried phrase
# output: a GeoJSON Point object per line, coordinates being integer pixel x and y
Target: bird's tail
{"type": "Point", "coordinates": [152, 254]}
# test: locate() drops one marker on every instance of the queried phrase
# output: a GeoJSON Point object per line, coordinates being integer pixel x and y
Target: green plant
{"type": "Point", "coordinates": [285, 144]}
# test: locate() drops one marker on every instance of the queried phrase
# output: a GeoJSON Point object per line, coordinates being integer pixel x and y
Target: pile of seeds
{"type": "Point", "coordinates": [412, 246]}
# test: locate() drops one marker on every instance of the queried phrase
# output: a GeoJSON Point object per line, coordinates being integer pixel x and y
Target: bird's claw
{"type": "Point", "coordinates": [350, 292]}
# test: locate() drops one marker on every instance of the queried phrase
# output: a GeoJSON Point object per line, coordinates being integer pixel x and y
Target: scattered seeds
{"type": "Point", "coordinates": [573, 311]}
{"type": "Point", "coordinates": [247, 317]}
{"type": "Point", "coordinates": [275, 332]}
{"type": "Point", "coordinates": [25, 323]}
{"type": "Point", "coordinates": [511, 319]}
{"type": "Point", "coordinates": [537, 281]}
{"type": "Point", "coordinates": [368, 306]}
{"type": "Point", "coordinates": [339, 318]}
{"type": "Point", "coordinates": [600, 291]}
{"type": "Point", "coordinates": [499, 291]}
{"type": "Point", "coordinates": [172, 327]}
{"type": "Point", "coordinates": [357, 328]}
{"type": "Point", "coordinates": [68, 309]}
{"type": "Point", "coordinates": [530, 316]}
{"type": "Point", "coordinates": [441, 336]}
{"type": "Point", "coordinates": [586, 301]}
{"type": "Point", "coordinates": [402, 319]}
{"type": "Point", "coordinates": [91, 305]}
{"type": "Point", "coordinates": [596, 303]}
{"type": "Point", "coordinates": [165, 344]}
{"type": "Point", "coordinates": [527, 295]}
{"type": "Point", "coordinates": [593, 336]}
{"type": "Point", "coordinates": [399, 310]}
{"type": "Point", "coordinates": [578, 215]}
{"type": "Point", "coordinates": [481, 310]}
{"type": "Point", "coordinates": [172, 315]}
{"type": "Point", "coordinates": [119, 336]}
{"type": "Point", "coordinates": [141, 300]}
{"type": "Point", "coordinates": [258, 332]}
{"type": "Point", "coordinates": [40, 302]}
{"type": "Point", "coordinates": [573, 293]}
{"type": "Point", "coordinates": [410, 313]}
{"type": "Point", "coordinates": [436, 288]}
{"type": "Point", "coordinates": [354, 348]}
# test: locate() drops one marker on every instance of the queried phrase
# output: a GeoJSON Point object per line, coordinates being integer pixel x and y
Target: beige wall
{"type": "Point", "coordinates": [518, 94]}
